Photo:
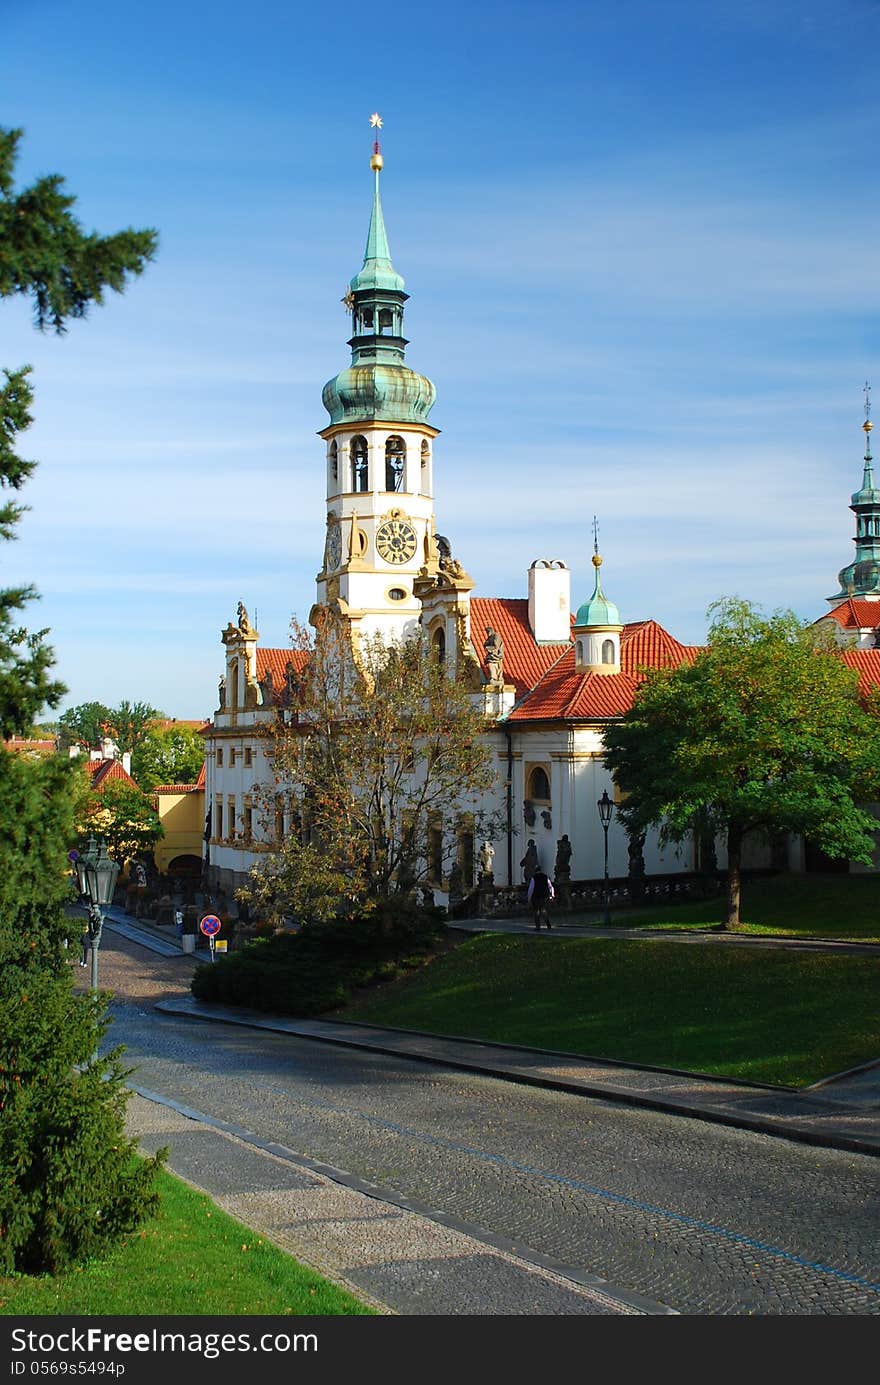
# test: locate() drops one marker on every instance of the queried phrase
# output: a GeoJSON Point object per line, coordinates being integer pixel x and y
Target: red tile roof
{"type": "Point", "coordinates": [544, 676]}
{"type": "Point", "coordinates": [867, 664]}
{"type": "Point", "coordinates": [179, 788]}
{"type": "Point", "coordinates": [276, 661]}
{"type": "Point", "coordinates": [855, 614]}
{"type": "Point", "coordinates": [169, 723]}
{"type": "Point", "coordinates": [104, 772]}
{"type": "Point", "coordinates": [525, 661]}
{"type": "Point", "coordinates": [645, 644]}
{"type": "Point", "coordinates": [201, 780]}
{"type": "Point", "coordinates": [27, 747]}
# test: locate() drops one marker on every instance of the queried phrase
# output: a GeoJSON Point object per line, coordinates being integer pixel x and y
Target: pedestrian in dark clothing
{"type": "Point", "coordinates": [540, 895]}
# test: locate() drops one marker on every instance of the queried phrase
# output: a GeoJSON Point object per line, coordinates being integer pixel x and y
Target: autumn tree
{"type": "Point", "coordinates": [69, 1186]}
{"type": "Point", "coordinates": [376, 755]}
{"type": "Point", "coordinates": [763, 733]}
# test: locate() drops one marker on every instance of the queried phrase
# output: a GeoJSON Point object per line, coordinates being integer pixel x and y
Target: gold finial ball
{"type": "Point", "coordinates": [597, 561]}
{"type": "Point", "coordinates": [867, 425]}
{"type": "Point", "coordinates": [377, 162]}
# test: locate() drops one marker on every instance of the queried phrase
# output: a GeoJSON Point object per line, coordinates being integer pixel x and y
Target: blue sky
{"type": "Point", "coordinates": [640, 243]}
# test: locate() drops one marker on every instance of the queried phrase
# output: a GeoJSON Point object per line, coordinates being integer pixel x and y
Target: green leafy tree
{"type": "Point", "coordinates": [84, 724]}
{"type": "Point", "coordinates": [124, 817]}
{"type": "Point", "coordinates": [130, 724]}
{"type": "Point", "coordinates": [763, 733]}
{"type": "Point", "coordinates": [377, 754]}
{"type": "Point", "coordinates": [69, 1184]}
{"type": "Point", "coordinates": [171, 756]}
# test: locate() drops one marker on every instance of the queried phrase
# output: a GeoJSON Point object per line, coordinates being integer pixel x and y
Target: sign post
{"type": "Point", "coordinates": [210, 925]}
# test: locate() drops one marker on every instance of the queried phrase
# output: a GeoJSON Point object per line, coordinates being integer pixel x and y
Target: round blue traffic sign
{"type": "Point", "coordinates": [210, 925]}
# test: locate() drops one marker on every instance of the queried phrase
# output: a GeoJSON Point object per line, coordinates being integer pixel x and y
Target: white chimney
{"type": "Point", "coordinates": [550, 601]}
{"type": "Point", "coordinates": [126, 761]}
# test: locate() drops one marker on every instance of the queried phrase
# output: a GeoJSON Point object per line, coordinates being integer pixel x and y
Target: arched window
{"type": "Point", "coordinates": [580, 651]}
{"type": "Point", "coordinates": [384, 319]}
{"type": "Point", "coordinates": [368, 320]}
{"type": "Point", "coordinates": [426, 452]}
{"type": "Point", "coordinates": [539, 785]}
{"type": "Point", "coordinates": [438, 645]}
{"type": "Point", "coordinates": [334, 460]}
{"type": "Point", "coordinates": [607, 651]}
{"type": "Point", "coordinates": [358, 453]}
{"type": "Point", "coordinates": [395, 459]}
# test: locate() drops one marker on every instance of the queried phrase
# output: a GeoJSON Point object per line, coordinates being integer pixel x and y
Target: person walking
{"type": "Point", "coordinates": [540, 895]}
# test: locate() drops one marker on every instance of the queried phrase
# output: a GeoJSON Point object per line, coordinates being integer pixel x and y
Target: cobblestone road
{"type": "Point", "coordinates": [703, 1219]}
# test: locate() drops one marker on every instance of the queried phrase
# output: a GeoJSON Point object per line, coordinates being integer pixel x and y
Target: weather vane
{"type": "Point", "coordinates": [595, 534]}
{"type": "Point", "coordinates": [376, 161]}
{"type": "Point", "coordinates": [867, 393]}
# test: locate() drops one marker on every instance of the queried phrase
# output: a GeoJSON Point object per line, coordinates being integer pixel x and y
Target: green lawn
{"type": "Point", "coordinates": [789, 906]}
{"type": "Point", "coordinates": [191, 1259]}
{"type": "Point", "coordinates": [762, 1014]}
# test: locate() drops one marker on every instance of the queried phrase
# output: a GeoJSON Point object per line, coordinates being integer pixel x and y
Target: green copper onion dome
{"type": "Point", "coordinates": [378, 385]}
{"type": "Point", "coordinates": [598, 610]}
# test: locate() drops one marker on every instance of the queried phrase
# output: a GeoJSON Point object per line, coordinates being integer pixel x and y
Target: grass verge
{"type": "Point", "coordinates": [192, 1259]}
{"type": "Point", "coordinates": [762, 1015]}
{"type": "Point", "coordinates": [785, 906]}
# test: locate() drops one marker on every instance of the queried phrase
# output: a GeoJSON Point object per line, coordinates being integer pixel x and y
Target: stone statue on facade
{"type": "Point", "coordinates": [487, 858]}
{"type": "Point", "coordinates": [636, 867]}
{"type": "Point", "coordinates": [243, 621]}
{"type": "Point", "coordinates": [222, 693]}
{"type": "Point", "coordinates": [562, 867]}
{"type": "Point", "coordinates": [529, 862]}
{"type": "Point", "coordinates": [267, 688]}
{"type": "Point", "coordinates": [494, 647]}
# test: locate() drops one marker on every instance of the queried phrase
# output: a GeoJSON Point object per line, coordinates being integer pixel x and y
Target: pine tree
{"type": "Point", "coordinates": [69, 1182]}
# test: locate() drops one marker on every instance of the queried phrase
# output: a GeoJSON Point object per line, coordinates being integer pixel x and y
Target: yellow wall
{"type": "Point", "coordinates": [182, 815]}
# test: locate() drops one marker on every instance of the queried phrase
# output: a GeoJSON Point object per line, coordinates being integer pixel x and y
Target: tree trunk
{"type": "Point", "coordinates": [734, 876]}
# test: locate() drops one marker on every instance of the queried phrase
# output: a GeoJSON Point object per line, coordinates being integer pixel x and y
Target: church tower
{"type": "Point", "coordinates": [380, 505]}
{"type": "Point", "coordinates": [861, 577]}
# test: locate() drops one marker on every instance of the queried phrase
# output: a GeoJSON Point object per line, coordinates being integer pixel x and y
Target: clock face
{"type": "Point", "coordinates": [396, 541]}
{"type": "Point", "coordinates": [333, 550]}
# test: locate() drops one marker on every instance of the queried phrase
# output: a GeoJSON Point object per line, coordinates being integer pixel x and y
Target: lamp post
{"type": "Point", "coordinates": [96, 874]}
{"type": "Point", "coordinates": [605, 806]}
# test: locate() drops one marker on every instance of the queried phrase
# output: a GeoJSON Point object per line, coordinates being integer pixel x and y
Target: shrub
{"type": "Point", "coordinates": [315, 970]}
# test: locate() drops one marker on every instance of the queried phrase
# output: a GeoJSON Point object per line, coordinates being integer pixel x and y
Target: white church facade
{"type": "Point", "coordinates": [548, 681]}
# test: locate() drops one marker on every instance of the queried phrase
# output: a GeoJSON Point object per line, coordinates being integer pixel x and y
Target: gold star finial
{"type": "Point", "coordinates": [376, 120]}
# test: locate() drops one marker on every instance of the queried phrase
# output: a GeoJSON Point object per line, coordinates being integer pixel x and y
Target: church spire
{"type": "Point", "coordinates": [378, 384]}
{"type": "Point", "coordinates": [377, 268]}
{"type": "Point", "coordinates": [861, 578]}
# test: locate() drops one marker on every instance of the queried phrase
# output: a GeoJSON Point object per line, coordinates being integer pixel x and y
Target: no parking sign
{"type": "Point", "coordinates": [210, 925]}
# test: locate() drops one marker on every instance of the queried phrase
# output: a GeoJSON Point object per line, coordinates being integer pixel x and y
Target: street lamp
{"type": "Point", "coordinates": [606, 812]}
{"type": "Point", "coordinates": [96, 874]}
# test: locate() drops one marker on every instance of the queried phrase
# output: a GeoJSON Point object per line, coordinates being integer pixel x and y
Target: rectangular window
{"type": "Point", "coordinates": [249, 823]}
{"type": "Point", "coordinates": [218, 825]}
{"type": "Point", "coordinates": [232, 758]}
{"type": "Point", "coordinates": [220, 757]}
{"type": "Point", "coordinates": [230, 818]}
{"type": "Point", "coordinates": [279, 824]}
{"type": "Point", "coordinates": [248, 757]}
